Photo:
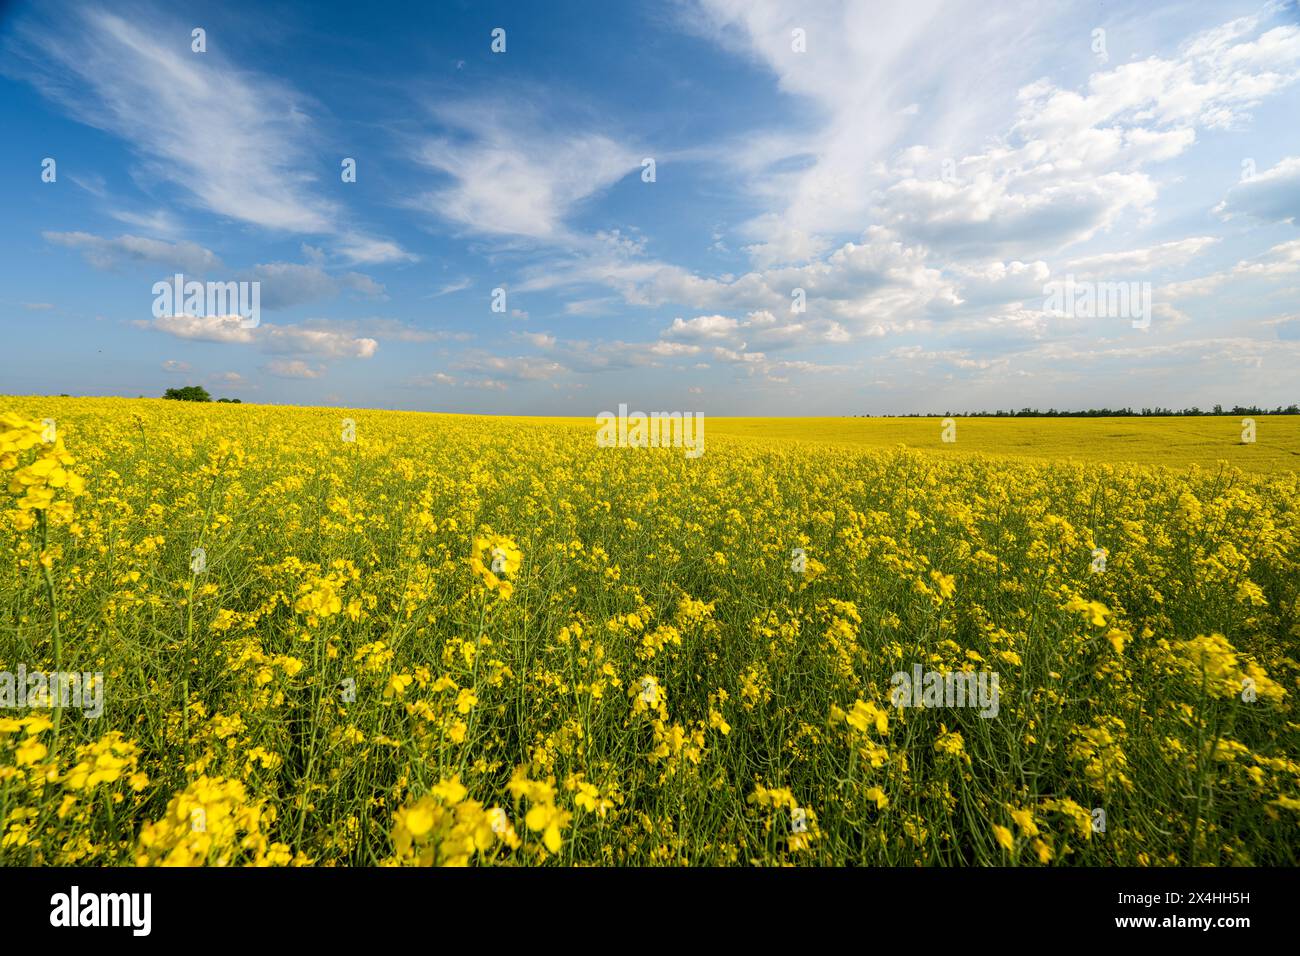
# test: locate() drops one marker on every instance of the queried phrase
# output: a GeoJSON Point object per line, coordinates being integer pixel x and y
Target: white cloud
{"type": "Point", "coordinates": [367, 250]}
{"type": "Point", "coordinates": [102, 253]}
{"type": "Point", "coordinates": [159, 222]}
{"type": "Point", "coordinates": [388, 330]}
{"type": "Point", "coordinates": [236, 141]}
{"type": "Point", "coordinates": [430, 380]}
{"type": "Point", "coordinates": [538, 339]}
{"type": "Point", "coordinates": [487, 384]}
{"type": "Point", "coordinates": [996, 283]}
{"type": "Point", "coordinates": [1069, 167]}
{"type": "Point", "coordinates": [293, 368]}
{"type": "Point", "coordinates": [865, 66]}
{"type": "Point", "coordinates": [1162, 256]}
{"type": "Point", "coordinates": [518, 368]}
{"type": "Point", "coordinates": [287, 284]}
{"type": "Point", "coordinates": [459, 285]}
{"type": "Point", "coordinates": [702, 327]}
{"type": "Point", "coordinates": [867, 287]}
{"type": "Point", "coordinates": [511, 176]}
{"type": "Point", "coordinates": [673, 349]}
{"type": "Point", "coordinates": [1012, 209]}
{"type": "Point", "coordinates": [1273, 195]}
{"type": "Point", "coordinates": [293, 339]}
{"type": "Point", "coordinates": [1278, 262]}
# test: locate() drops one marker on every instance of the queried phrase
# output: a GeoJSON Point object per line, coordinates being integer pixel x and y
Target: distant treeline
{"type": "Point", "coordinates": [1110, 412]}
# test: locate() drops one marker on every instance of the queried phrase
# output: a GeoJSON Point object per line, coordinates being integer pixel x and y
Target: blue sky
{"type": "Point", "coordinates": [921, 170]}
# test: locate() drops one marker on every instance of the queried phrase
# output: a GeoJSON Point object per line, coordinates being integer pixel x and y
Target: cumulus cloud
{"type": "Point", "coordinates": [292, 339]}
{"type": "Point", "coordinates": [539, 339]}
{"type": "Point", "coordinates": [702, 327]}
{"type": "Point", "coordinates": [862, 288]}
{"type": "Point", "coordinates": [996, 283]}
{"type": "Point", "coordinates": [517, 368]}
{"type": "Point", "coordinates": [673, 349]}
{"type": "Point", "coordinates": [1010, 210]}
{"type": "Point", "coordinates": [1069, 166]}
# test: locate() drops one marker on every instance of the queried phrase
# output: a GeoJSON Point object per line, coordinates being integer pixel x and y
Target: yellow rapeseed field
{"type": "Point", "coordinates": [1175, 442]}
{"type": "Point", "coordinates": [360, 637]}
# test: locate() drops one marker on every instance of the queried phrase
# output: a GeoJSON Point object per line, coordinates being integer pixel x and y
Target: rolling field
{"type": "Point", "coordinates": [360, 637]}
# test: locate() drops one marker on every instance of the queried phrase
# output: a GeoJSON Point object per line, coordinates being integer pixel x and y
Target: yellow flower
{"type": "Point", "coordinates": [450, 791]}
{"type": "Point", "coordinates": [417, 820]}
{"type": "Point", "coordinates": [550, 820]}
{"type": "Point", "coordinates": [946, 582]}
{"type": "Point", "coordinates": [1095, 611]}
{"type": "Point", "coordinates": [1025, 821]}
{"type": "Point", "coordinates": [949, 742]}
{"type": "Point", "coordinates": [493, 559]}
{"type": "Point", "coordinates": [1004, 837]}
{"type": "Point", "coordinates": [866, 715]}
{"type": "Point", "coordinates": [397, 685]}
{"type": "Point", "coordinates": [30, 751]}
{"type": "Point", "coordinates": [1043, 850]}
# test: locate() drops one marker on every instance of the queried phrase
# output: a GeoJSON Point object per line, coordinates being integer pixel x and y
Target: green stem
{"type": "Point", "coordinates": [189, 613]}
{"type": "Point", "coordinates": [473, 714]}
{"type": "Point", "coordinates": [55, 634]}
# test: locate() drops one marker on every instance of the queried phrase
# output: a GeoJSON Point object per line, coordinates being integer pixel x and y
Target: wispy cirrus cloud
{"type": "Point", "coordinates": [236, 142]}
{"type": "Point", "coordinates": [1278, 262]}
{"type": "Point", "coordinates": [512, 174]}
{"type": "Point", "coordinates": [233, 140]}
{"type": "Point", "coordinates": [1164, 255]}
